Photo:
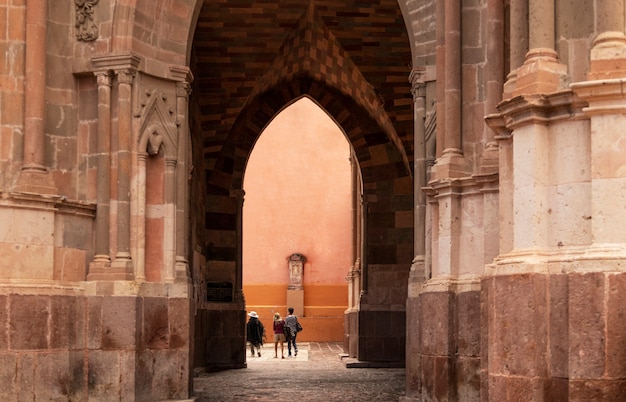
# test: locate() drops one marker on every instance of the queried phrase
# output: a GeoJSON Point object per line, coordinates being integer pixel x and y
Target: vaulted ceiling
{"type": "Point", "coordinates": [359, 48]}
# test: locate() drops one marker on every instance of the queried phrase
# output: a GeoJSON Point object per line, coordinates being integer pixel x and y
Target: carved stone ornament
{"type": "Point", "coordinates": [87, 28]}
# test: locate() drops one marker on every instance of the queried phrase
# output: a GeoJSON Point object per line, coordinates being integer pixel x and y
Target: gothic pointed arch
{"type": "Point", "coordinates": [157, 125]}
{"type": "Point", "coordinates": [312, 50]}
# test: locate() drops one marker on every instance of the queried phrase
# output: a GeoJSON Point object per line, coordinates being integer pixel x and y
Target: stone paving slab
{"type": "Point", "coordinates": [316, 374]}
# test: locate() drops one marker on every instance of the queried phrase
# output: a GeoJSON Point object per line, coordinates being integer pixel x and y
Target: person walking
{"type": "Point", "coordinates": [279, 336]}
{"type": "Point", "coordinates": [292, 322]}
{"type": "Point", "coordinates": [255, 332]}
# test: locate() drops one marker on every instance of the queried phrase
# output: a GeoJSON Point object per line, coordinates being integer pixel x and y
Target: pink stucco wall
{"type": "Point", "coordinates": [298, 200]}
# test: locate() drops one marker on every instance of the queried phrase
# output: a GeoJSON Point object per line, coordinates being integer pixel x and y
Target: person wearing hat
{"type": "Point", "coordinates": [255, 332]}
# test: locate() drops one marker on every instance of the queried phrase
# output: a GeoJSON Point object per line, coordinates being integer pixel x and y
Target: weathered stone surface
{"type": "Point", "coordinates": [587, 325]}
{"type": "Point", "coordinates": [119, 323]}
{"type": "Point", "coordinates": [520, 335]}
{"type": "Point", "coordinates": [435, 317]}
{"type": "Point", "coordinates": [616, 330]}
{"type": "Point", "coordinates": [559, 327]}
{"type": "Point", "coordinates": [29, 322]}
{"type": "Point", "coordinates": [156, 330]}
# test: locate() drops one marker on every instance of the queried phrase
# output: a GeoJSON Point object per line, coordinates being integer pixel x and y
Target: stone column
{"type": "Point", "coordinates": [123, 262]}
{"type": "Point", "coordinates": [102, 258]}
{"type": "Point", "coordinates": [353, 277]}
{"type": "Point", "coordinates": [34, 176]}
{"type": "Point", "coordinates": [140, 217]}
{"type": "Point", "coordinates": [364, 212]}
{"type": "Point", "coordinates": [182, 183]}
{"type": "Point", "coordinates": [518, 42]}
{"type": "Point", "coordinates": [440, 58]}
{"type": "Point", "coordinates": [608, 56]}
{"type": "Point", "coordinates": [239, 196]}
{"type": "Point", "coordinates": [451, 163]}
{"type": "Point", "coordinates": [169, 234]}
{"type": "Point", "coordinates": [418, 90]}
{"type": "Point", "coordinates": [541, 71]}
{"type": "Point", "coordinates": [494, 80]}
{"type": "Point", "coordinates": [417, 274]}
{"type": "Point", "coordinates": [597, 287]}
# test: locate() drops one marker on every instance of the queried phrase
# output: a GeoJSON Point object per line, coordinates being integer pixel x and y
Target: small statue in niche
{"type": "Point", "coordinates": [296, 270]}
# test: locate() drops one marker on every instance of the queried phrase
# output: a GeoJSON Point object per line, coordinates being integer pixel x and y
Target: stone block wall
{"type": "Point", "coordinates": [220, 341]}
{"type": "Point", "coordinates": [76, 347]}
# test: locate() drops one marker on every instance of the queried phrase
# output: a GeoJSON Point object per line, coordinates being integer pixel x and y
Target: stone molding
{"type": "Point", "coordinates": [559, 260]}
{"type": "Point", "coordinates": [454, 285]}
{"type": "Point", "coordinates": [604, 96]}
{"type": "Point", "coordinates": [523, 110]}
{"type": "Point", "coordinates": [457, 187]}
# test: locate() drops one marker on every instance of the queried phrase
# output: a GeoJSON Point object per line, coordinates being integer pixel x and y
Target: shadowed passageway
{"type": "Point", "coordinates": [316, 374]}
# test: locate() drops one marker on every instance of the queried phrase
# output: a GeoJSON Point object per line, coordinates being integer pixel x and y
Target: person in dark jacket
{"type": "Point", "coordinates": [255, 333]}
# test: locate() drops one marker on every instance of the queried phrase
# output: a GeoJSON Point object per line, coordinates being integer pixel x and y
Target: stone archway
{"type": "Point", "coordinates": [306, 59]}
{"type": "Point", "coordinates": [135, 198]}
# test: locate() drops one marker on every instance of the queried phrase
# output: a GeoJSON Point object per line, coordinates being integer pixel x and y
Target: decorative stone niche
{"type": "Point", "coordinates": [295, 290]}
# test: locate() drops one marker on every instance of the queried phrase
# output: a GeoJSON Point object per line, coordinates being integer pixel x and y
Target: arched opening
{"type": "Point", "coordinates": [239, 87]}
{"type": "Point", "coordinates": [298, 200]}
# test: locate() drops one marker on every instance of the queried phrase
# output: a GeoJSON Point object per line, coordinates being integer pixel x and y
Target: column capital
{"type": "Point", "coordinates": [418, 83]}
{"type": "Point", "coordinates": [183, 89]}
{"type": "Point", "coordinates": [181, 74]}
{"type": "Point", "coordinates": [104, 77]}
{"type": "Point", "coordinates": [127, 61]}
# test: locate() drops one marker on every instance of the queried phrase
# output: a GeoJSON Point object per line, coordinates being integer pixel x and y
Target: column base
{"type": "Point", "coordinates": [35, 179]}
{"type": "Point", "coordinates": [541, 73]}
{"type": "Point", "coordinates": [608, 57]}
{"type": "Point", "coordinates": [121, 270]}
{"type": "Point", "coordinates": [182, 272]}
{"type": "Point", "coordinates": [490, 161]}
{"type": "Point", "coordinates": [100, 266]}
{"type": "Point", "coordinates": [450, 165]}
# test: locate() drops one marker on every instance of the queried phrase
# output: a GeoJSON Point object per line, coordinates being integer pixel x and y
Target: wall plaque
{"type": "Point", "coordinates": [219, 292]}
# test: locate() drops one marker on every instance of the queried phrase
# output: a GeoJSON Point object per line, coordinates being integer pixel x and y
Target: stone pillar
{"type": "Point", "coordinates": [140, 217]}
{"type": "Point", "coordinates": [440, 58]}
{"type": "Point", "coordinates": [169, 233]}
{"type": "Point", "coordinates": [518, 42]}
{"type": "Point", "coordinates": [541, 72]}
{"type": "Point", "coordinates": [451, 163]}
{"type": "Point", "coordinates": [239, 195]}
{"type": "Point", "coordinates": [419, 114]}
{"type": "Point", "coordinates": [354, 276]}
{"type": "Point", "coordinates": [598, 284]}
{"type": "Point", "coordinates": [494, 77]}
{"type": "Point", "coordinates": [363, 245]}
{"type": "Point", "coordinates": [102, 258]}
{"type": "Point", "coordinates": [608, 55]}
{"type": "Point", "coordinates": [417, 275]}
{"type": "Point", "coordinates": [34, 176]}
{"type": "Point", "coordinates": [183, 89]}
{"type": "Point", "coordinates": [122, 263]}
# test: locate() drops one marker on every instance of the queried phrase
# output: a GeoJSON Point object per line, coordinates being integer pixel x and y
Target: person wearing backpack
{"type": "Point", "coordinates": [292, 322]}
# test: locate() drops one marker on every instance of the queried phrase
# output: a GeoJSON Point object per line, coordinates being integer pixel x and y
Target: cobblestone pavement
{"type": "Point", "coordinates": [316, 374]}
